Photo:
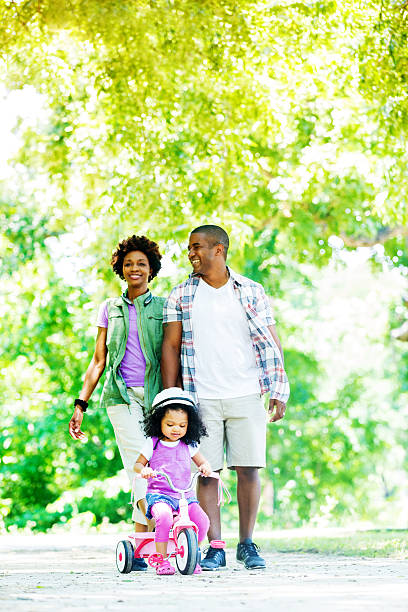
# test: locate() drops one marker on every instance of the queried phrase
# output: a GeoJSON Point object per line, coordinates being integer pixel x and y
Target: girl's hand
{"type": "Point", "coordinates": [205, 468]}
{"type": "Point", "coordinates": [147, 472]}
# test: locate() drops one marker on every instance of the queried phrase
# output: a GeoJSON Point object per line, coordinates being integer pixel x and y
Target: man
{"type": "Point", "coordinates": [219, 327]}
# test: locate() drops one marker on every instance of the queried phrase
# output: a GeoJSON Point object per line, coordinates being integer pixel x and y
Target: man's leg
{"type": "Point", "coordinates": [248, 495]}
{"type": "Point", "coordinates": [212, 447]}
{"type": "Point", "coordinates": [207, 494]}
{"type": "Point", "coordinates": [245, 430]}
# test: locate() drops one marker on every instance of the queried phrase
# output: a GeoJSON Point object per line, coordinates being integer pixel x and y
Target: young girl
{"type": "Point", "coordinates": [173, 428]}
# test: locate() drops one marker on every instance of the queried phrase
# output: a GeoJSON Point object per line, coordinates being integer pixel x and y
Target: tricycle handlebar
{"type": "Point", "coordinates": [221, 487]}
{"type": "Point", "coordinates": [192, 480]}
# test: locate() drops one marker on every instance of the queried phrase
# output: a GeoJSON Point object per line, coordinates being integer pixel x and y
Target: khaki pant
{"type": "Point", "coordinates": [127, 424]}
{"type": "Point", "coordinates": [238, 426]}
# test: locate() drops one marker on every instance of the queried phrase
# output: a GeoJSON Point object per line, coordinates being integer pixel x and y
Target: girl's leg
{"type": "Point", "coordinates": [163, 515]}
{"type": "Point", "coordinates": [199, 517]}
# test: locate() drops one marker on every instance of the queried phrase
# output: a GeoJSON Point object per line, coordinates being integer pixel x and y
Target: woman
{"type": "Point", "coordinates": [130, 334]}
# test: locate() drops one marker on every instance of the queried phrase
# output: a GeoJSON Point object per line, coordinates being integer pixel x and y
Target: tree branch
{"type": "Point", "coordinates": [383, 234]}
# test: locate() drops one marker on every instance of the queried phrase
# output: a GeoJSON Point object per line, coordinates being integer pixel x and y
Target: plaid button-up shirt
{"type": "Point", "coordinates": [271, 373]}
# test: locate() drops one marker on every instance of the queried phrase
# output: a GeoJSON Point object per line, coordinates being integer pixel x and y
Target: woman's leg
{"type": "Point", "coordinates": [127, 426]}
{"type": "Point", "coordinates": [199, 517]}
{"type": "Point", "coordinates": [142, 505]}
{"type": "Point", "coordinates": [163, 515]}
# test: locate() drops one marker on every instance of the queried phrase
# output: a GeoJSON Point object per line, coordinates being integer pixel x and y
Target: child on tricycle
{"type": "Point", "coordinates": [173, 429]}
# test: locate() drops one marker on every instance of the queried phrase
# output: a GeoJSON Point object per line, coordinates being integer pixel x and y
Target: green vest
{"type": "Point", "coordinates": [149, 311]}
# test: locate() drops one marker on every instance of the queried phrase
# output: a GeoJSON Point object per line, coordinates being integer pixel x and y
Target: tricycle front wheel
{"type": "Point", "coordinates": [187, 543]}
{"type": "Point", "coordinates": [124, 556]}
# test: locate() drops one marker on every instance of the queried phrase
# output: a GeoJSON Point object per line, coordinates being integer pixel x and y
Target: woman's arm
{"type": "Point", "coordinates": [201, 462]}
{"type": "Point", "coordinates": [92, 376]}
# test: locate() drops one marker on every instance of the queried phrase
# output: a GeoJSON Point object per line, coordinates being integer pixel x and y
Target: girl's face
{"type": "Point", "coordinates": [174, 425]}
{"type": "Point", "coordinates": [136, 269]}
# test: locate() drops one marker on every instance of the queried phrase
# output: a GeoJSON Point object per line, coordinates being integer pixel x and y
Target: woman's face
{"type": "Point", "coordinates": [136, 270]}
{"type": "Point", "coordinates": [174, 425]}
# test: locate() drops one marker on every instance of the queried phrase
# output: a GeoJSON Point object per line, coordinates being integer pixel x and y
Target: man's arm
{"type": "Point", "coordinates": [275, 336]}
{"type": "Point", "coordinates": [170, 358]}
{"type": "Point", "coordinates": [263, 308]}
{"type": "Point", "coordinates": [277, 408]}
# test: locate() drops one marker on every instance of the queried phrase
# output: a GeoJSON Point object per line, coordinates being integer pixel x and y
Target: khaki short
{"type": "Point", "coordinates": [237, 425]}
{"type": "Point", "coordinates": [127, 424]}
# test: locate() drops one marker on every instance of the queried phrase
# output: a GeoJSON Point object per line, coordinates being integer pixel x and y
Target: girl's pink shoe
{"type": "Point", "coordinates": [165, 569]}
{"type": "Point", "coordinates": [198, 569]}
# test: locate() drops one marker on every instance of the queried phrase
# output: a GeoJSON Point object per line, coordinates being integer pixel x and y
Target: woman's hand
{"type": "Point", "coordinates": [205, 468]}
{"type": "Point", "coordinates": [93, 374]}
{"type": "Point", "coordinates": [75, 423]}
{"type": "Point", "coordinates": [147, 472]}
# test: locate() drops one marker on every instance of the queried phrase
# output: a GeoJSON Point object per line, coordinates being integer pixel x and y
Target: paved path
{"type": "Point", "coordinates": [74, 573]}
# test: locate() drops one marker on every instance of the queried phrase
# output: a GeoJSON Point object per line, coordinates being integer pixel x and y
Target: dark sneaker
{"type": "Point", "coordinates": [139, 565]}
{"type": "Point", "coordinates": [213, 560]}
{"type": "Point", "coordinates": [247, 553]}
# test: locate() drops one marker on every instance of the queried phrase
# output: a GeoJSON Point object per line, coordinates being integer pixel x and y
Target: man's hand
{"type": "Point", "coordinates": [276, 410]}
{"type": "Point", "coordinates": [75, 425]}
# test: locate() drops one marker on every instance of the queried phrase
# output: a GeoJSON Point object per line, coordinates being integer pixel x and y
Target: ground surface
{"type": "Point", "coordinates": [77, 573]}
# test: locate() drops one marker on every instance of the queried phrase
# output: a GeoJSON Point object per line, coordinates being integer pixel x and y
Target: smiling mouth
{"type": "Point", "coordinates": [195, 261]}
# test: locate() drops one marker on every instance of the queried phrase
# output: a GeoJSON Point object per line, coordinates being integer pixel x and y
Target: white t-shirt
{"type": "Point", "coordinates": [147, 450]}
{"type": "Point", "coordinates": [224, 357]}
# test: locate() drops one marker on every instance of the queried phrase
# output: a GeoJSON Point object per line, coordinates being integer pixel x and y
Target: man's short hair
{"type": "Point", "coordinates": [215, 235]}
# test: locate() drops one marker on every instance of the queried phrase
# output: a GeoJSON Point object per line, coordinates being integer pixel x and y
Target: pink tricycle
{"type": "Point", "coordinates": [182, 544]}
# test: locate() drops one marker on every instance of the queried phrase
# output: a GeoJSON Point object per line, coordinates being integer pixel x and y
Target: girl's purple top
{"type": "Point", "coordinates": [133, 365]}
{"type": "Point", "coordinates": [176, 462]}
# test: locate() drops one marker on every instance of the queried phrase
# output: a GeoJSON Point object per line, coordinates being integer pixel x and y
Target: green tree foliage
{"type": "Point", "coordinates": [284, 121]}
{"type": "Point", "coordinates": [171, 110]}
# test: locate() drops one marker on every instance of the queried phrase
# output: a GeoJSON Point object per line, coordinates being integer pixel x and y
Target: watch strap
{"type": "Point", "coordinates": [82, 404]}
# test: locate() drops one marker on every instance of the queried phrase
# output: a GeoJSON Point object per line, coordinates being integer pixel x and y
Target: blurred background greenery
{"type": "Point", "coordinates": [286, 123]}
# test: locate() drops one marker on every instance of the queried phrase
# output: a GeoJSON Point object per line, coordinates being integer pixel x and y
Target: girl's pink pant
{"type": "Point", "coordinates": [163, 515]}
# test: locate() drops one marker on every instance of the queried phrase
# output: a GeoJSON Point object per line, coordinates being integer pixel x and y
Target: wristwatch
{"type": "Point", "coordinates": [82, 404]}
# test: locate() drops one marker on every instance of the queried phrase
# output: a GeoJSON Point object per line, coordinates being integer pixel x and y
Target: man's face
{"type": "Point", "coordinates": [200, 253]}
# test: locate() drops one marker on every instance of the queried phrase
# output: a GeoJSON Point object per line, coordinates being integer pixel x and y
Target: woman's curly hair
{"type": "Point", "coordinates": [137, 243]}
{"type": "Point", "coordinates": [195, 429]}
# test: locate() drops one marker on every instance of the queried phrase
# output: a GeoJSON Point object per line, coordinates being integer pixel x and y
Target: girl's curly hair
{"type": "Point", "coordinates": [195, 429]}
{"type": "Point", "coordinates": [137, 243]}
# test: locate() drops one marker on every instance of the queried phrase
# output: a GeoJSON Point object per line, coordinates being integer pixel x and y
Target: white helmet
{"type": "Point", "coordinates": [173, 395]}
